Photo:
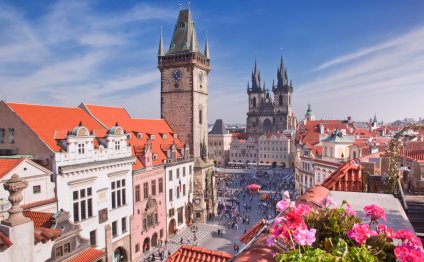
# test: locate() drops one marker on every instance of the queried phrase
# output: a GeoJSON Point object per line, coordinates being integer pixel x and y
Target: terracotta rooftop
{"type": "Point", "coordinates": [188, 253]}
{"type": "Point", "coordinates": [39, 203]}
{"type": "Point", "coordinates": [40, 219]}
{"type": "Point", "coordinates": [4, 241]}
{"type": "Point", "coordinates": [7, 164]}
{"type": "Point", "coordinates": [42, 234]}
{"type": "Point", "coordinates": [45, 121]}
{"type": "Point", "coordinates": [89, 255]}
{"type": "Point", "coordinates": [108, 116]}
{"type": "Point", "coordinates": [252, 232]}
{"type": "Point", "coordinates": [347, 177]}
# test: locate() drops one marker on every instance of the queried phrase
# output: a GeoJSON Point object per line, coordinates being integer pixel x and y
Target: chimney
{"type": "Point", "coordinates": [321, 129]}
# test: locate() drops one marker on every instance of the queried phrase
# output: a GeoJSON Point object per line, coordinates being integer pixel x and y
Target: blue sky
{"type": "Point", "coordinates": [345, 57]}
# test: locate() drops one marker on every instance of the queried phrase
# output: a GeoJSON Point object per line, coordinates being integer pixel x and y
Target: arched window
{"type": "Point", "coordinates": [280, 100]}
{"type": "Point", "coordinates": [200, 116]}
{"type": "Point", "coordinates": [354, 154]}
{"type": "Point", "coordinates": [254, 102]}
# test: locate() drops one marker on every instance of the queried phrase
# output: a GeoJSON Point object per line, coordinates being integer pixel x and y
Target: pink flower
{"type": "Point", "coordinates": [302, 210]}
{"type": "Point", "coordinates": [383, 229]}
{"type": "Point", "coordinates": [349, 211]}
{"type": "Point", "coordinates": [305, 237]}
{"type": "Point", "coordinates": [360, 233]}
{"type": "Point", "coordinates": [408, 254]}
{"type": "Point", "coordinates": [327, 202]}
{"type": "Point", "coordinates": [408, 237]}
{"type": "Point", "coordinates": [375, 212]}
{"type": "Point", "coordinates": [282, 205]}
{"type": "Point", "coordinates": [270, 241]}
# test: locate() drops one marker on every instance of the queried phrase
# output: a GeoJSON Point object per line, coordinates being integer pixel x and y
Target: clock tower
{"type": "Point", "coordinates": [184, 72]}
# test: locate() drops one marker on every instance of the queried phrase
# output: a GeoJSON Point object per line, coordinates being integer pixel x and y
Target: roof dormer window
{"type": "Point", "coordinates": [154, 157]}
{"type": "Point", "coordinates": [129, 136]}
{"type": "Point", "coordinates": [139, 135]}
{"type": "Point", "coordinates": [175, 136]}
{"type": "Point", "coordinates": [164, 136]}
{"type": "Point", "coordinates": [181, 25]}
{"type": "Point", "coordinates": [152, 137]}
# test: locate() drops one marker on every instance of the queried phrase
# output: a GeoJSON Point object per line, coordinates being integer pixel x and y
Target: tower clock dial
{"type": "Point", "coordinates": [176, 75]}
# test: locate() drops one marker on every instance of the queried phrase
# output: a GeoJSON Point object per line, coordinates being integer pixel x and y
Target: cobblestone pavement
{"type": "Point", "coordinates": [207, 236]}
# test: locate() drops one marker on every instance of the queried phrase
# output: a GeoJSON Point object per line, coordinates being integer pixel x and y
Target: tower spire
{"type": "Point", "coordinates": [207, 55]}
{"type": "Point", "coordinates": [161, 50]}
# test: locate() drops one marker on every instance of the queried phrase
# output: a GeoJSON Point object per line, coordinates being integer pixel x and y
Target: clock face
{"type": "Point", "coordinates": [176, 75]}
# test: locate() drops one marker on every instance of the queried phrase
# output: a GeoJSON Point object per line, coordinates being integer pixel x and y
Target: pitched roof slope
{"type": "Point", "coordinates": [89, 255]}
{"type": "Point", "coordinates": [7, 164]}
{"type": "Point", "coordinates": [188, 253]}
{"type": "Point", "coordinates": [40, 219]}
{"type": "Point", "coordinates": [218, 128]}
{"type": "Point", "coordinates": [46, 120]}
{"type": "Point", "coordinates": [108, 116]}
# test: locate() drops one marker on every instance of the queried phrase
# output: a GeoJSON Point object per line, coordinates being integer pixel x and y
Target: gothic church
{"type": "Point", "coordinates": [268, 114]}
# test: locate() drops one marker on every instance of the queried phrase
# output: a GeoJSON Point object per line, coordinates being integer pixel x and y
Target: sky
{"type": "Point", "coordinates": [345, 58]}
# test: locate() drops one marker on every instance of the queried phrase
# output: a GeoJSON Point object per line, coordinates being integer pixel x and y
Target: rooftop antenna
{"type": "Point", "coordinates": [181, 5]}
{"type": "Point", "coordinates": [188, 4]}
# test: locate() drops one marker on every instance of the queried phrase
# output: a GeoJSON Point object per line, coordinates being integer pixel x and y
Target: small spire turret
{"type": "Point", "coordinates": [206, 53]}
{"type": "Point", "coordinates": [161, 50]}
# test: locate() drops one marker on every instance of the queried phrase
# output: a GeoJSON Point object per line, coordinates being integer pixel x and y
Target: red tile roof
{"type": "Point", "coordinates": [39, 203]}
{"type": "Point", "coordinates": [40, 219]}
{"type": "Point", "coordinates": [188, 253]}
{"type": "Point", "coordinates": [7, 164]}
{"type": "Point", "coordinates": [252, 232]}
{"type": "Point", "coordinates": [239, 135]}
{"type": "Point", "coordinates": [42, 234]}
{"type": "Point", "coordinates": [89, 255]}
{"type": "Point", "coordinates": [347, 177]}
{"type": "Point", "coordinates": [4, 241]}
{"type": "Point", "coordinates": [108, 116]}
{"type": "Point", "coordinates": [45, 121]}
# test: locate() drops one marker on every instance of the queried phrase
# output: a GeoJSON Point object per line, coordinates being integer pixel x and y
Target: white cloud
{"type": "Point", "coordinates": [384, 78]}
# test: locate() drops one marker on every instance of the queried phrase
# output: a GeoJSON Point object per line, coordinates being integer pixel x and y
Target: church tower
{"type": "Point", "coordinates": [184, 84]}
{"type": "Point", "coordinates": [184, 72]}
{"type": "Point", "coordinates": [282, 99]}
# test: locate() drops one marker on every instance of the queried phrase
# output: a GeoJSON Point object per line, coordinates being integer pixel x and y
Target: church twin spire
{"type": "Point", "coordinates": [282, 79]}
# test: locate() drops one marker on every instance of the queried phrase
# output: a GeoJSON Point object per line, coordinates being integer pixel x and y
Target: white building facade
{"type": "Point", "coordinates": [94, 183]}
{"type": "Point", "coordinates": [274, 149]}
{"type": "Point", "coordinates": [244, 153]}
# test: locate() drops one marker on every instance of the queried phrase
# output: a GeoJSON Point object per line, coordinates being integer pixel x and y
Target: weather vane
{"type": "Point", "coordinates": [181, 5]}
{"type": "Point", "coordinates": [188, 4]}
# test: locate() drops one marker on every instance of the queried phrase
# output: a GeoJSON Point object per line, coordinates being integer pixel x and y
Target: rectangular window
{"type": "Point", "coordinates": [137, 248]}
{"type": "Point", "coordinates": [200, 117]}
{"type": "Point", "coordinates": [190, 170]}
{"type": "Point", "coordinates": [36, 189]}
{"type": "Point", "coordinates": [178, 192]}
{"type": "Point", "coordinates": [184, 190]}
{"type": "Point", "coordinates": [153, 187]}
{"type": "Point", "coordinates": [124, 224]}
{"type": "Point", "coordinates": [170, 194]}
{"type": "Point", "coordinates": [2, 131]}
{"type": "Point", "coordinates": [117, 145]}
{"type": "Point", "coordinates": [59, 251]}
{"type": "Point", "coordinates": [161, 234]}
{"type": "Point", "coordinates": [145, 190]}
{"type": "Point", "coordinates": [82, 204]}
{"type": "Point", "coordinates": [137, 193]}
{"type": "Point", "coordinates": [170, 175]}
{"type": "Point", "coordinates": [180, 215]}
{"type": "Point", "coordinates": [81, 148]}
{"type": "Point", "coordinates": [178, 173]}
{"type": "Point", "coordinates": [114, 228]}
{"type": "Point", "coordinates": [67, 248]}
{"type": "Point", "coordinates": [93, 238]}
{"type": "Point", "coordinates": [171, 212]}
{"type": "Point", "coordinates": [118, 193]}
{"type": "Point", "coordinates": [160, 185]}
{"type": "Point", "coordinates": [11, 135]}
